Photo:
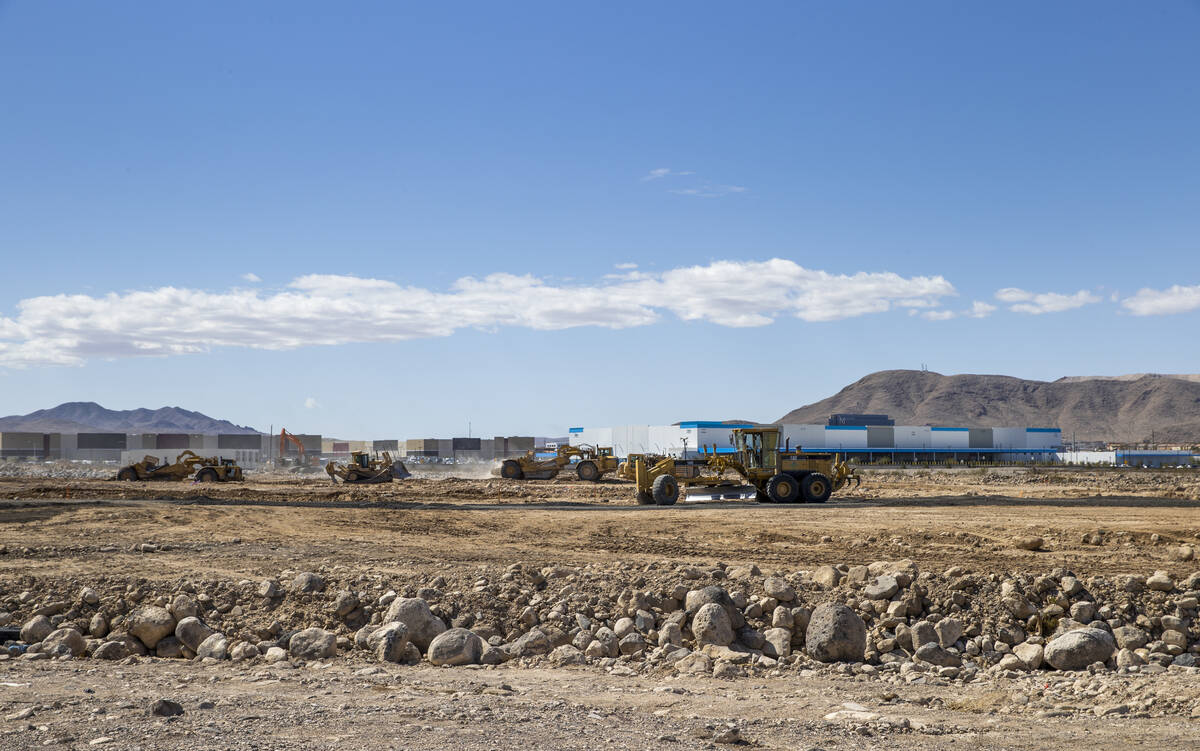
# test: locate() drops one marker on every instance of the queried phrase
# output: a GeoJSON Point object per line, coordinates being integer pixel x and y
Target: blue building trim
{"type": "Point", "coordinates": [711, 424]}
{"type": "Point", "coordinates": [1043, 430]}
{"type": "Point", "coordinates": [576, 430]}
{"type": "Point", "coordinates": [959, 430]}
{"type": "Point", "coordinates": [847, 427]}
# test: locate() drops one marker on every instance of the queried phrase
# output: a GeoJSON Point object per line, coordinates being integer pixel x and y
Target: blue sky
{"type": "Point", "coordinates": [194, 199]}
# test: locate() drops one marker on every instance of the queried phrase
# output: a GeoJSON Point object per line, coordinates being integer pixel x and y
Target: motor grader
{"type": "Point", "coordinates": [206, 469]}
{"type": "Point", "coordinates": [363, 470]}
{"type": "Point", "coordinates": [771, 474]}
{"type": "Point", "coordinates": [593, 464]}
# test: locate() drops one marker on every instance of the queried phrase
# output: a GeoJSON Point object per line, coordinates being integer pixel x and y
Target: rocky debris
{"type": "Point", "coordinates": [313, 644]}
{"type": "Point", "coordinates": [150, 624]}
{"type": "Point", "coordinates": [307, 583]}
{"type": "Point", "coordinates": [711, 625]}
{"type": "Point", "coordinates": [216, 647]}
{"type": "Point", "coordinates": [458, 646]}
{"type": "Point", "coordinates": [836, 633]}
{"type": "Point", "coordinates": [66, 641]}
{"type": "Point", "coordinates": [36, 629]}
{"type": "Point", "coordinates": [1076, 650]}
{"type": "Point", "coordinates": [388, 642]}
{"type": "Point", "coordinates": [191, 632]}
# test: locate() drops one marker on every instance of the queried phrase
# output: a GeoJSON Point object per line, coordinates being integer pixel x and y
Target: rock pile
{"type": "Point", "coordinates": [882, 619]}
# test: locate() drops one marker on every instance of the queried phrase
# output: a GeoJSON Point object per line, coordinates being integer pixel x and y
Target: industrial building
{"type": "Point", "coordinates": [866, 443]}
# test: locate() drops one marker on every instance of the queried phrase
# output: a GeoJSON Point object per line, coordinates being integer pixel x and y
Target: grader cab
{"type": "Point", "coordinates": [770, 473]}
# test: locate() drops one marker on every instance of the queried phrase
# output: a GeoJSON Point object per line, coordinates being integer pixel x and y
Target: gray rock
{"type": "Point", "coordinates": [307, 583]}
{"type": "Point", "coordinates": [98, 626]}
{"type": "Point", "coordinates": [670, 634]}
{"type": "Point", "coordinates": [777, 643]}
{"type": "Point", "coordinates": [1077, 649]}
{"type": "Point", "coordinates": [36, 629]}
{"type": "Point", "coordinates": [1028, 542]}
{"type": "Point", "coordinates": [711, 625]}
{"type": "Point", "coordinates": [312, 644]}
{"type": "Point", "coordinates": [609, 641]}
{"type": "Point", "coordinates": [389, 642]}
{"type": "Point", "coordinates": [632, 643]}
{"type": "Point", "coordinates": [882, 588]}
{"type": "Point", "coordinates": [531, 643]}
{"type": "Point", "coordinates": [149, 624]}
{"type": "Point", "coordinates": [779, 589]}
{"type": "Point", "coordinates": [276, 654]}
{"type": "Point", "coordinates": [782, 617]}
{"type": "Point", "coordinates": [345, 603]}
{"type": "Point", "coordinates": [414, 613]}
{"type": "Point", "coordinates": [695, 663]}
{"type": "Point", "coordinates": [215, 646]}
{"type": "Point", "coordinates": [934, 654]}
{"type": "Point", "coordinates": [68, 639]}
{"type": "Point", "coordinates": [567, 655]}
{"type": "Point", "coordinates": [184, 606]}
{"type": "Point", "coordinates": [949, 631]}
{"type": "Point", "coordinates": [1130, 637]}
{"type": "Point", "coordinates": [118, 647]}
{"type": "Point", "coordinates": [269, 588]}
{"type": "Point", "coordinates": [166, 708]}
{"type": "Point", "coordinates": [623, 627]}
{"type": "Point", "coordinates": [1030, 654]}
{"type": "Point", "coordinates": [192, 632]}
{"type": "Point", "coordinates": [456, 646]}
{"type": "Point", "coordinates": [243, 650]}
{"type": "Point", "coordinates": [89, 596]}
{"type": "Point", "coordinates": [1160, 582]}
{"type": "Point", "coordinates": [835, 633]}
{"type": "Point", "coordinates": [169, 647]}
{"type": "Point", "coordinates": [827, 576]}
{"type": "Point", "coordinates": [922, 633]}
{"type": "Point", "coordinates": [697, 598]}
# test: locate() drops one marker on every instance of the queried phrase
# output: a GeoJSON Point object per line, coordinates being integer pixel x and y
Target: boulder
{"type": "Point", "coordinates": [835, 633]}
{"type": "Point", "coordinates": [1077, 649]}
{"type": "Point", "coordinates": [389, 642]}
{"type": "Point", "coordinates": [779, 589]}
{"type": "Point", "coordinates": [98, 626]}
{"type": "Point", "coordinates": [531, 643]}
{"type": "Point", "coordinates": [68, 639]}
{"type": "Point", "coordinates": [192, 632]}
{"type": "Point", "coordinates": [1030, 654]}
{"type": "Point", "coordinates": [949, 631]}
{"type": "Point", "coordinates": [827, 576]}
{"type": "Point", "coordinates": [243, 650]}
{"type": "Point", "coordinates": [149, 624]}
{"type": "Point", "coordinates": [36, 629]}
{"type": "Point", "coordinates": [883, 588]}
{"type": "Point", "coordinates": [711, 625]}
{"type": "Point", "coordinates": [777, 643]}
{"type": "Point", "coordinates": [934, 654]}
{"type": "Point", "coordinates": [567, 655]}
{"type": "Point", "coordinates": [215, 646]}
{"type": "Point", "coordinates": [608, 640]}
{"type": "Point", "coordinates": [118, 647]}
{"type": "Point", "coordinates": [313, 644]}
{"type": "Point", "coordinates": [184, 606]}
{"type": "Point", "coordinates": [1130, 637]}
{"type": "Point", "coordinates": [457, 646]}
{"type": "Point", "coordinates": [307, 583]}
{"type": "Point", "coordinates": [1028, 542]}
{"type": "Point", "coordinates": [169, 647]}
{"type": "Point", "coordinates": [414, 613]}
{"type": "Point", "coordinates": [697, 598]}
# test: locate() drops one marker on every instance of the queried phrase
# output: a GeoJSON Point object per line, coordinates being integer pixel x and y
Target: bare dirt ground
{"type": "Point", "coordinates": [75, 531]}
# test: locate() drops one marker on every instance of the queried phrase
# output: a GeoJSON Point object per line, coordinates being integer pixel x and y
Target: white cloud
{"type": "Point", "coordinates": [1022, 301]}
{"type": "Point", "coordinates": [709, 190]}
{"type": "Point", "coordinates": [938, 315]}
{"type": "Point", "coordinates": [980, 309]}
{"type": "Point", "coordinates": [250, 276]}
{"type": "Point", "coordinates": [661, 172]}
{"type": "Point", "coordinates": [1159, 302]}
{"type": "Point", "coordinates": [311, 403]}
{"type": "Point", "coordinates": [326, 309]}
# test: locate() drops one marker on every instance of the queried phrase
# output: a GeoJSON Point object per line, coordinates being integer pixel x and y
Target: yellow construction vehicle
{"type": "Point", "coordinates": [771, 473]}
{"type": "Point", "coordinates": [593, 464]}
{"type": "Point", "coordinates": [206, 469]}
{"type": "Point", "coordinates": [363, 470]}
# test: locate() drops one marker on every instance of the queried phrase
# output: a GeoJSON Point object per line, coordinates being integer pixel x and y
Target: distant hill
{"type": "Point", "coordinates": [1120, 408]}
{"type": "Point", "coordinates": [89, 417]}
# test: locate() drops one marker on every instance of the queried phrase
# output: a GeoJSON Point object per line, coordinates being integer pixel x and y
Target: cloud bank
{"type": "Point", "coordinates": [1021, 301]}
{"type": "Point", "coordinates": [1157, 302]}
{"type": "Point", "coordinates": [324, 309]}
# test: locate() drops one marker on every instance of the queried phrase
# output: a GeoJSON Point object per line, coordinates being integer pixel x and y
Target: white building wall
{"type": "Point", "coordinates": [1042, 439]}
{"type": "Point", "coordinates": [913, 437]}
{"type": "Point", "coordinates": [1088, 457]}
{"type": "Point", "coordinates": [949, 438]}
{"type": "Point", "coordinates": [1008, 438]}
{"type": "Point", "coordinates": [843, 438]}
{"type": "Point", "coordinates": [806, 437]}
{"type": "Point", "coordinates": [669, 439]}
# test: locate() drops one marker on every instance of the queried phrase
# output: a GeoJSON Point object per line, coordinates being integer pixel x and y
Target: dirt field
{"type": "Point", "coordinates": [59, 534]}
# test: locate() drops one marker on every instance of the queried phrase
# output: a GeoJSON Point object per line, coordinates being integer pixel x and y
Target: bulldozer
{"type": "Point", "coordinates": [593, 464]}
{"type": "Point", "coordinates": [206, 469]}
{"type": "Point", "coordinates": [363, 470]}
{"type": "Point", "coordinates": [770, 473]}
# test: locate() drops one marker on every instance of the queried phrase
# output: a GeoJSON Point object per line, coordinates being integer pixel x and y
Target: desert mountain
{"type": "Point", "coordinates": [89, 417]}
{"type": "Point", "coordinates": [1095, 408]}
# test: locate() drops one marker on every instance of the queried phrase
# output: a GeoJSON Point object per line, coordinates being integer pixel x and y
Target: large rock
{"type": "Point", "coordinates": [882, 588]}
{"type": "Point", "coordinates": [313, 644]}
{"type": "Point", "coordinates": [949, 631]}
{"type": "Point", "coordinates": [1077, 649]}
{"type": "Point", "coordinates": [531, 643]}
{"type": "Point", "coordinates": [215, 646]}
{"type": "Point", "coordinates": [149, 624]}
{"type": "Point", "coordinates": [119, 647]}
{"type": "Point", "coordinates": [414, 613]}
{"type": "Point", "coordinates": [169, 647]}
{"type": "Point", "coordinates": [779, 589]}
{"type": "Point", "coordinates": [1030, 654]}
{"type": "Point", "coordinates": [184, 606]}
{"type": "Point", "coordinates": [934, 654]}
{"type": "Point", "coordinates": [835, 633]}
{"type": "Point", "coordinates": [712, 625]}
{"type": "Point", "coordinates": [778, 643]}
{"type": "Point", "coordinates": [1130, 637]}
{"type": "Point", "coordinates": [36, 629]}
{"type": "Point", "coordinates": [827, 576]}
{"type": "Point", "coordinates": [389, 642]}
{"type": "Point", "coordinates": [456, 646]}
{"type": "Point", "coordinates": [192, 632]}
{"type": "Point", "coordinates": [66, 638]}
{"type": "Point", "coordinates": [307, 583]}
{"type": "Point", "coordinates": [697, 598]}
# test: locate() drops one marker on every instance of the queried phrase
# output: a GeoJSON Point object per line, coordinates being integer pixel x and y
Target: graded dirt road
{"type": "Point", "coordinates": [60, 534]}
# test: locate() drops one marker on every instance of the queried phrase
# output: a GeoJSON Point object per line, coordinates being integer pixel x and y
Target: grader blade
{"type": "Point", "coordinates": [720, 493]}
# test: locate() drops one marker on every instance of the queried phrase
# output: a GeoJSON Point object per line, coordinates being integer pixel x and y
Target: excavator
{"type": "Point", "coordinates": [771, 473]}
{"type": "Point", "coordinates": [302, 463]}
{"type": "Point", "coordinates": [206, 469]}
{"type": "Point", "coordinates": [363, 470]}
{"type": "Point", "coordinates": [594, 463]}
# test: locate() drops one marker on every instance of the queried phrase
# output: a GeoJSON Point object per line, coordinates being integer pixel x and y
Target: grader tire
{"type": "Point", "coordinates": [783, 488]}
{"type": "Point", "coordinates": [128, 474]}
{"type": "Point", "coordinates": [588, 471]}
{"type": "Point", "coordinates": [665, 490]}
{"type": "Point", "coordinates": [511, 470]}
{"type": "Point", "coordinates": [644, 498]}
{"type": "Point", "coordinates": [207, 475]}
{"type": "Point", "coordinates": [816, 488]}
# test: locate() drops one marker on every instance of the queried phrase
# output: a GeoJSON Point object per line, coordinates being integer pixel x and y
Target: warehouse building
{"type": "Point", "coordinates": [868, 443]}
